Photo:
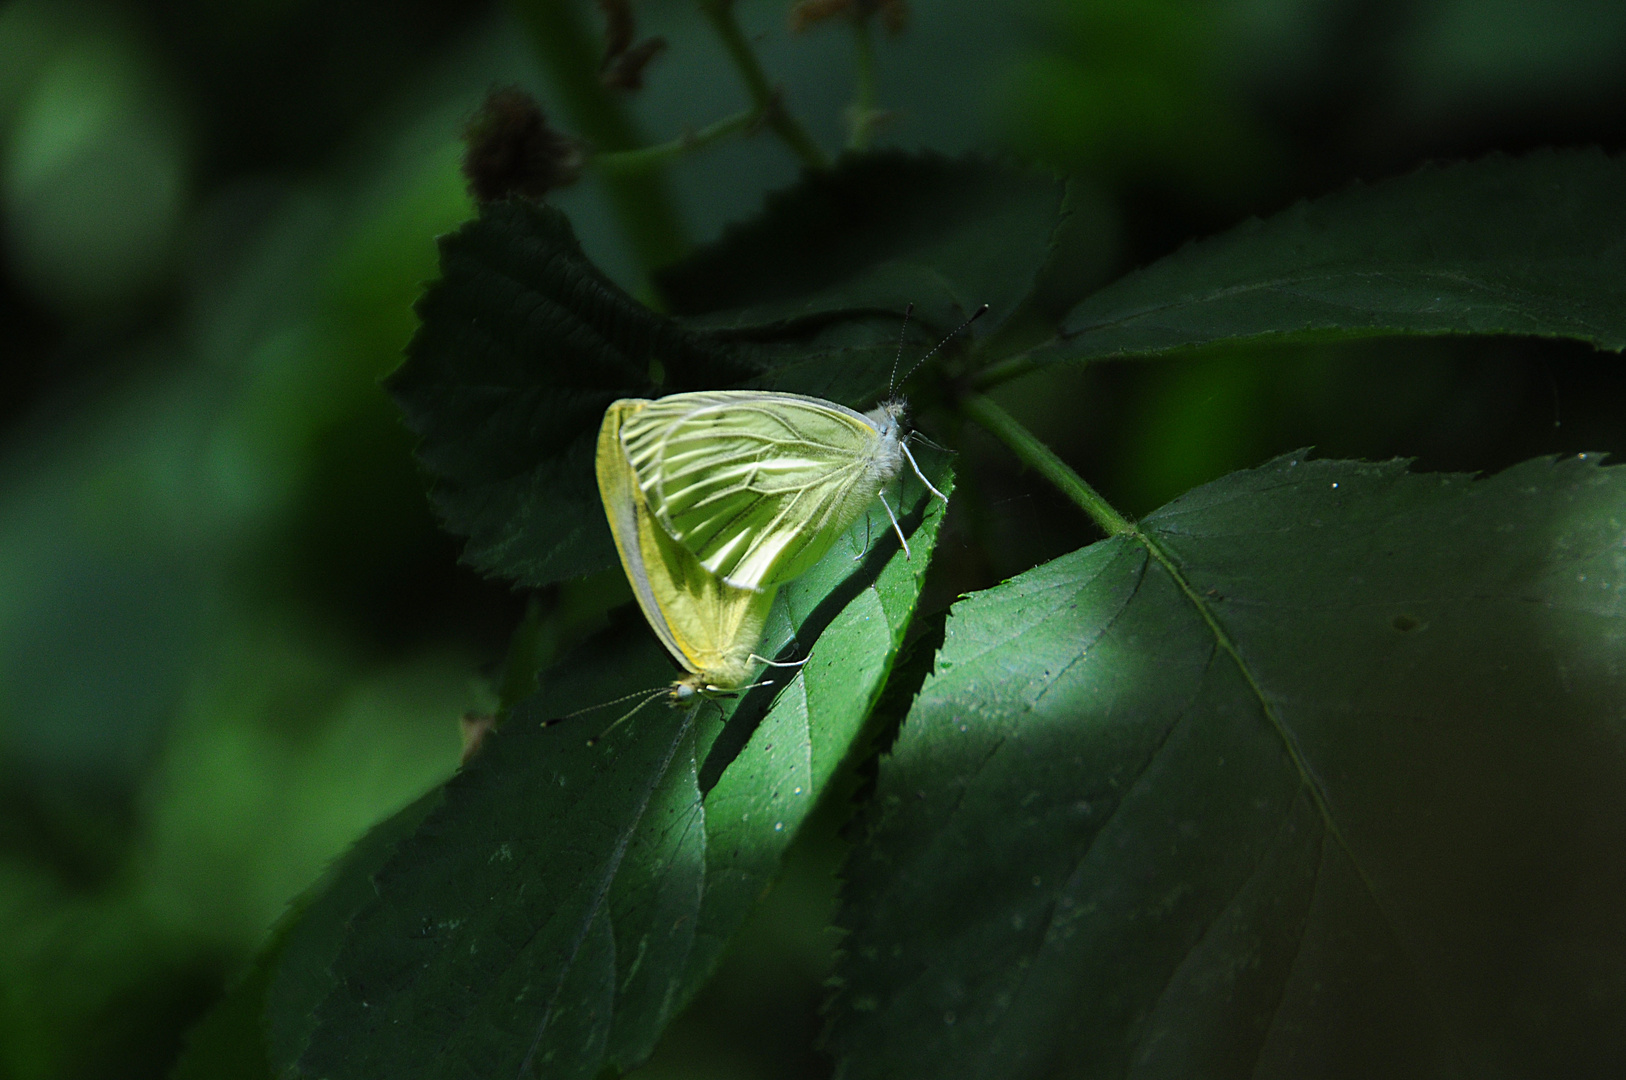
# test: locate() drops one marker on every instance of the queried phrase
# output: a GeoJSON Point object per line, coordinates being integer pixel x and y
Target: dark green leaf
{"type": "Point", "coordinates": [522, 345]}
{"type": "Point", "coordinates": [263, 1022]}
{"type": "Point", "coordinates": [299, 977]}
{"type": "Point", "coordinates": [523, 342]}
{"type": "Point", "coordinates": [879, 230]}
{"type": "Point", "coordinates": [567, 900]}
{"type": "Point", "coordinates": [1498, 246]}
{"type": "Point", "coordinates": [228, 1043]}
{"type": "Point", "coordinates": [1338, 789]}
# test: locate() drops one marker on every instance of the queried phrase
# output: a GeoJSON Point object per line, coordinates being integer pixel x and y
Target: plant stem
{"type": "Point", "coordinates": [720, 13]}
{"type": "Point", "coordinates": [642, 201]}
{"type": "Point", "coordinates": [627, 162]}
{"type": "Point", "coordinates": [1035, 454]}
{"type": "Point", "coordinates": [862, 119]}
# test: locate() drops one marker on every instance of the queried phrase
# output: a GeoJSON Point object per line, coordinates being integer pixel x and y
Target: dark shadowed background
{"type": "Point", "coordinates": [231, 634]}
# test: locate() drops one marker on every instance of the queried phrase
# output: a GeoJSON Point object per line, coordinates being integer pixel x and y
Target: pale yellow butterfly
{"type": "Point", "coordinates": [757, 484]}
{"type": "Point", "coordinates": [709, 625]}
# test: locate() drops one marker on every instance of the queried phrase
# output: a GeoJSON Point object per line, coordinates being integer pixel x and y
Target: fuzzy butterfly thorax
{"type": "Point", "coordinates": [890, 429]}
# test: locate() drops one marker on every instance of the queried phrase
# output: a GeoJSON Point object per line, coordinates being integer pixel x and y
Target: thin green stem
{"type": "Point", "coordinates": [627, 162]}
{"type": "Point", "coordinates": [720, 13]}
{"type": "Point", "coordinates": [1039, 457]}
{"type": "Point", "coordinates": [862, 119]}
{"type": "Point", "coordinates": [642, 201]}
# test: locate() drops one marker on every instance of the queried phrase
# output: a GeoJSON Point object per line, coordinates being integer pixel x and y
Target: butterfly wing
{"type": "Point", "coordinates": [708, 625]}
{"type": "Point", "coordinates": [758, 485]}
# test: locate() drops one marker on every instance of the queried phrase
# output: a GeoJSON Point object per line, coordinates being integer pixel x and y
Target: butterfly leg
{"type": "Point", "coordinates": [905, 448]}
{"type": "Point", "coordinates": [895, 526]}
{"type": "Point", "coordinates": [717, 691]}
{"type": "Point", "coordinates": [781, 663]}
{"type": "Point", "coordinates": [920, 436]}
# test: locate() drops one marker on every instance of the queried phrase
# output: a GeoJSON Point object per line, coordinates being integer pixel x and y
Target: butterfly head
{"type": "Point", "coordinates": [686, 689]}
{"type": "Point", "coordinates": [708, 685]}
{"type": "Point", "coordinates": [890, 418]}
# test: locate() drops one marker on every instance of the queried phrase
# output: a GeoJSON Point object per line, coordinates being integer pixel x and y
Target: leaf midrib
{"type": "Point", "coordinates": [1306, 777]}
{"type": "Point", "coordinates": [1296, 281]}
{"type": "Point", "coordinates": [612, 870]}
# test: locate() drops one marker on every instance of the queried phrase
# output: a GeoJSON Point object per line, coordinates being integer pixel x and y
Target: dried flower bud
{"type": "Point", "coordinates": [474, 727]}
{"type": "Point", "coordinates": [510, 151]}
{"type": "Point", "coordinates": [894, 14]}
{"type": "Point", "coordinates": [619, 28]}
{"type": "Point", "coordinates": [807, 13]}
{"type": "Point", "coordinates": [624, 62]}
{"type": "Point", "coordinates": [625, 71]}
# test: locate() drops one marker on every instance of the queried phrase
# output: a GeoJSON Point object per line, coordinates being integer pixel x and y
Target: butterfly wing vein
{"type": "Point", "coordinates": [756, 485]}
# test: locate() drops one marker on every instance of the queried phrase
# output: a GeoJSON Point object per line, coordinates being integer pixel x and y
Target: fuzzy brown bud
{"type": "Point", "coordinates": [510, 151]}
{"type": "Point", "coordinates": [625, 70]}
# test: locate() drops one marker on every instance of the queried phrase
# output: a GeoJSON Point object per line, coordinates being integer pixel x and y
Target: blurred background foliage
{"type": "Point", "coordinates": [231, 635]}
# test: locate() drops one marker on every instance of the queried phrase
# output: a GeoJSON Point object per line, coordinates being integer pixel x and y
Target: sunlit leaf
{"type": "Point", "coordinates": [566, 900]}
{"type": "Point", "coordinates": [1324, 776]}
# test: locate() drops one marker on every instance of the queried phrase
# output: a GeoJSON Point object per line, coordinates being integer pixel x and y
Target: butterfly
{"type": "Point", "coordinates": [709, 625]}
{"type": "Point", "coordinates": [758, 484]}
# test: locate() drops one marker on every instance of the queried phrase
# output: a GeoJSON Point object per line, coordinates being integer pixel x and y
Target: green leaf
{"type": "Point", "coordinates": [522, 345]}
{"type": "Point", "coordinates": [228, 1044]}
{"type": "Point", "coordinates": [300, 977]}
{"type": "Point", "coordinates": [523, 342]}
{"type": "Point", "coordinates": [1322, 774]}
{"type": "Point", "coordinates": [566, 900]}
{"type": "Point", "coordinates": [1497, 246]}
{"type": "Point", "coordinates": [879, 230]}
{"type": "Point", "coordinates": [259, 1028]}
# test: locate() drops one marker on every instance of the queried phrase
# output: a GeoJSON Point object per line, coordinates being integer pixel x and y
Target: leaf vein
{"type": "Point", "coordinates": [1084, 857]}
{"type": "Point", "coordinates": [1230, 902]}
{"type": "Point", "coordinates": [1298, 952]}
{"type": "Point", "coordinates": [1306, 776]}
{"type": "Point", "coordinates": [601, 893]}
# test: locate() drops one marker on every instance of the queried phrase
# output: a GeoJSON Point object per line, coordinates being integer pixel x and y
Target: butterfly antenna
{"type": "Point", "coordinates": [648, 695]}
{"type": "Point", "coordinates": [975, 315]}
{"type": "Point", "coordinates": [601, 705]}
{"type": "Point", "coordinates": [628, 715]}
{"type": "Point", "coordinates": [891, 383]}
